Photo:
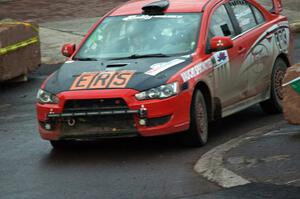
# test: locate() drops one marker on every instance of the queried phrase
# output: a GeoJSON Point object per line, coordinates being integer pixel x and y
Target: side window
{"type": "Point", "coordinates": [243, 14]}
{"type": "Point", "coordinates": [258, 15]}
{"type": "Point", "coordinates": [220, 24]}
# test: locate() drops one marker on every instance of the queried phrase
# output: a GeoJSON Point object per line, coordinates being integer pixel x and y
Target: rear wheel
{"type": "Point", "coordinates": [274, 104]}
{"type": "Point", "coordinates": [198, 132]}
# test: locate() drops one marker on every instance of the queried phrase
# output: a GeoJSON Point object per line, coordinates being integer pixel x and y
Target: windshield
{"type": "Point", "coordinates": [135, 36]}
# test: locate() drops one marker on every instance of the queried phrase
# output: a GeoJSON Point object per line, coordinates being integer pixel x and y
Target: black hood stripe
{"type": "Point", "coordinates": [137, 74]}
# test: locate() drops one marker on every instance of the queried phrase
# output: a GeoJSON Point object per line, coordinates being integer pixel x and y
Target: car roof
{"type": "Point", "coordinates": [135, 6]}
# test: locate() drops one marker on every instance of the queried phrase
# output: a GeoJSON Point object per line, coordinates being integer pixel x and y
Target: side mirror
{"type": "Point", "coordinates": [68, 49]}
{"type": "Point", "coordinates": [220, 43]}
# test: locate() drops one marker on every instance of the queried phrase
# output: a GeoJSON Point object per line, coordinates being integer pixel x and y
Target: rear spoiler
{"type": "Point", "coordinates": [276, 5]}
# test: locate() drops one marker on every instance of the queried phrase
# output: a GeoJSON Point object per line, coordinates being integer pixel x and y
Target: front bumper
{"type": "Point", "coordinates": [140, 118]}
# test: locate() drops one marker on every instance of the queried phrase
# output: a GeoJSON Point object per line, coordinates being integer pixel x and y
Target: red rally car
{"type": "Point", "coordinates": [151, 68]}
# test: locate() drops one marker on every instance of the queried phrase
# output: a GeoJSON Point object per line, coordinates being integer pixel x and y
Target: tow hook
{"type": "Point", "coordinates": [71, 122]}
{"type": "Point", "coordinates": [143, 112]}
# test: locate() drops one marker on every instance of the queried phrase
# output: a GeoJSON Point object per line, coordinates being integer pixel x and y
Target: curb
{"type": "Point", "coordinates": [210, 165]}
{"type": "Point", "coordinates": [295, 26]}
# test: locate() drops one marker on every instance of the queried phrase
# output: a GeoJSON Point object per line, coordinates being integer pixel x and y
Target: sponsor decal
{"type": "Point", "coordinates": [220, 58]}
{"type": "Point", "coordinates": [102, 79]}
{"type": "Point", "coordinates": [282, 39]}
{"type": "Point", "coordinates": [280, 32]}
{"type": "Point", "coordinates": [196, 70]}
{"type": "Point", "coordinates": [160, 67]}
{"type": "Point", "coordinates": [148, 17]}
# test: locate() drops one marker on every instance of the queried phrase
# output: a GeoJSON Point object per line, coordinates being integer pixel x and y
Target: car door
{"type": "Point", "coordinates": [229, 81]}
{"type": "Point", "coordinates": [254, 50]}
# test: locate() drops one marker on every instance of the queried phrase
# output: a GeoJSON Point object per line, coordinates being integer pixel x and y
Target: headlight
{"type": "Point", "coordinates": [45, 97]}
{"type": "Point", "coordinates": [161, 92]}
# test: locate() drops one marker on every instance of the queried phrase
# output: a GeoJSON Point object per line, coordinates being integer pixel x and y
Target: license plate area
{"type": "Point", "coordinates": [98, 125]}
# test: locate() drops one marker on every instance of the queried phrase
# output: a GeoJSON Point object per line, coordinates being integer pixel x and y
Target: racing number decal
{"type": "Point", "coordinates": [100, 80]}
{"type": "Point", "coordinates": [282, 39]}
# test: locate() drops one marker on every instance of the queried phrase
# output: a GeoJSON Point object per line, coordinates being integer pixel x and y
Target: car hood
{"type": "Point", "coordinates": [137, 74]}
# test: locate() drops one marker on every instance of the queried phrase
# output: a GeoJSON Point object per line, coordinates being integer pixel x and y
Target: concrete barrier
{"type": "Point", "coordinates": [295, 26]}
{"type": "Point", "coordinates": [19, 49]}
{"type": "Point", "coordinates": [291, 90]}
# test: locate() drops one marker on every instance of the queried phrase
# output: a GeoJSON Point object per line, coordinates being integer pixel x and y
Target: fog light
{"type": "Point", "coordinates": [142, 122]}
{"type": "Point", "coordinates": [48, 127]}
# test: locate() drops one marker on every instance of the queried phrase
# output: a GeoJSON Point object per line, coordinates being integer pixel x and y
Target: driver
{"type": "Point", "coordinates": [138, 41]}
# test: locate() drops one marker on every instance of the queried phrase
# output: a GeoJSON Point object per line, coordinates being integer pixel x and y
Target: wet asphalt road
{"type": "Point", "coordinates": [125, 168]}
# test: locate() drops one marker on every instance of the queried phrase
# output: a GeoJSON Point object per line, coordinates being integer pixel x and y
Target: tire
{"type": "Point", "coordinates": [274, 104]}
{"type": "Point", "coordinates": [197, 135]}
{"type": "Point", "coordinates": [59, 144]}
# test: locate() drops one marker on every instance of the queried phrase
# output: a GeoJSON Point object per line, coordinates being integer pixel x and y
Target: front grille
{"type": "Point", "coordinates": [99, 125]}
{"type": "Point", "coordinates": [94, 104]}
{"type": "Point", "coordinates": [97, 118]}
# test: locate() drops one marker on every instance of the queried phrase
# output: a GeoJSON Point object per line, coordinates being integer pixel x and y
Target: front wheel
{"type": "Point", "coordinates": [198, 133]}
{"type": "Point", "coordinates": [274, 104]}
{"type": "Point", "coordinates": [59, 144]}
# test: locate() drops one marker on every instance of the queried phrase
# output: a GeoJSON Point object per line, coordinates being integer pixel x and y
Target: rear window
{"type": "Point", "coordinates": [244, 15]}
{"type": "Point", "coordinates": [258, 15]}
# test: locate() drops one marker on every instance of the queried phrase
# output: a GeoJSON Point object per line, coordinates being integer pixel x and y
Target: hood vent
{"type": "Point", "coordinates": [114, 65]}
{"type": "Point", "coordinates": [157, 7]}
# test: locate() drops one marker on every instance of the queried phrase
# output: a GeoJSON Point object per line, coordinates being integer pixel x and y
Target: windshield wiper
{"type": "Point", "coordinates": [137, 56]}
{"type": "Point", "coordinates": [85, 59]}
